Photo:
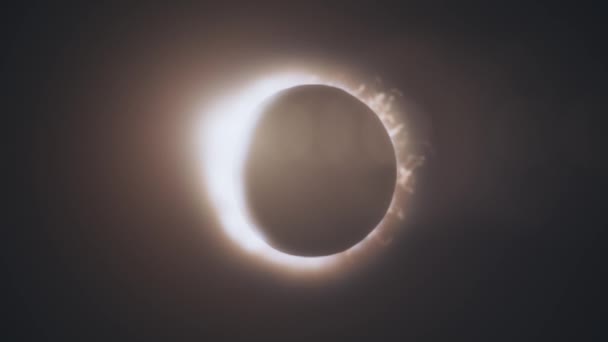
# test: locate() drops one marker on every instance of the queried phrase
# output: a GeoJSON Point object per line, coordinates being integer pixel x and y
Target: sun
{"type": "Point", "coordinates": [223, 139]}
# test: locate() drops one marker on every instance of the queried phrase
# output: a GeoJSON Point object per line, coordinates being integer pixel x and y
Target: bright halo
{"type": "Point", "coordinates": [227, 130]}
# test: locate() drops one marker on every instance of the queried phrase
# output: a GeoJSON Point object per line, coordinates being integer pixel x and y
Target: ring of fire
{"type": "Point", "coordinates": [223, 139]}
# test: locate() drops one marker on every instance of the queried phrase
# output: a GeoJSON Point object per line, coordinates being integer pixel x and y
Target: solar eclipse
{"type": "Point", "coordinates": [230, 149]}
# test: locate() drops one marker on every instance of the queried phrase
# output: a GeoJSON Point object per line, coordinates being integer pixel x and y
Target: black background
{"type": "Point", "coordinates": [108, 237]}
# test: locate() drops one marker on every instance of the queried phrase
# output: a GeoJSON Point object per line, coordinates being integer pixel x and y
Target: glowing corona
{"type": "Point", "coordinates": [227, 129]}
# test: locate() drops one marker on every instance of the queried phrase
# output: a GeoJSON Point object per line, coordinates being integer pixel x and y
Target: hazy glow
{"type": "Point", "coordinates": [226, 133]}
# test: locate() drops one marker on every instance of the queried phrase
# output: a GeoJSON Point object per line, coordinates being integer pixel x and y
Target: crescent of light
{"type": "Point", "coordinates": [224, 137]}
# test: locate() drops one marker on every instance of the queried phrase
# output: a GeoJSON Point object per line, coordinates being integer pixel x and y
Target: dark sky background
{"type": "Point", "coordinates": [108, 235]}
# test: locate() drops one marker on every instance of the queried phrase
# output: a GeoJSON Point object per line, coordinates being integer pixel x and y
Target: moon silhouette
{"type": "Point", "coordinates": [320, 171]}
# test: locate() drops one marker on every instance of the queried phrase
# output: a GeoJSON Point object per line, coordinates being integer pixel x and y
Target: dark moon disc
{"type": "Point", "coordinates": [321, 171]}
